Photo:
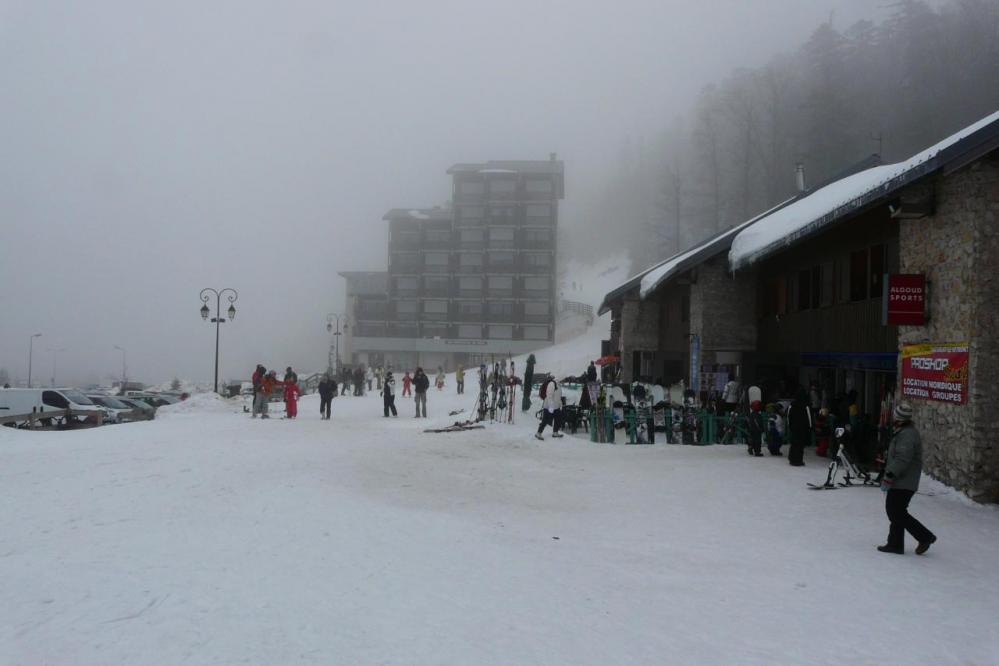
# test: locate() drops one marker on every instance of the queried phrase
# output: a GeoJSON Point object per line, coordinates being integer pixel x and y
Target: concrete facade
{"type": "Point", "coordinates": [957, 248]}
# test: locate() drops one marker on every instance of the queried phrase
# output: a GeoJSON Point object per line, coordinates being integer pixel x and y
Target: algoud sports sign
{"type": "Point", "coordinates": [935, 372]}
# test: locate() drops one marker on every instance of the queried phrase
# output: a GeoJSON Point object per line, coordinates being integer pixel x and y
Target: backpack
{"type": "Point", "coordinates": [543, 392]}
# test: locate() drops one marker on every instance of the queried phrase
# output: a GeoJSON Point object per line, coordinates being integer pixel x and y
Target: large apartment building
{"type": "Point", "coordinates": [467, 283]}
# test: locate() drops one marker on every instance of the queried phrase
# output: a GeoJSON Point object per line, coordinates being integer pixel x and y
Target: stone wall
{"type": "Point", "coordinates": [958, 250]}
{"type": "Point", "coordinates": [639, 330]}
{"type": "Point", "coordinates": [723, 307]}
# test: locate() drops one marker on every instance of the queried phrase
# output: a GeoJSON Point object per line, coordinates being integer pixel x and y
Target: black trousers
{"type": "Point", "coordinates": [461, 386]}
{"type": "Point", "coordinates": [897, 508]}
{"type": "Point", "coordinates": [389, 402]}
{"type": "Point", "coordinates": [324, 406]}
{"type": "Point", "coordinates": [553, 418]}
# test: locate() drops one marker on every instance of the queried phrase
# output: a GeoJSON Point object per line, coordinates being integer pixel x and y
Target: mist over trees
{"type": "Point", "coordinates": [891, 88]}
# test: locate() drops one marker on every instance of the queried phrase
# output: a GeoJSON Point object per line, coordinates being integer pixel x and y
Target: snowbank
{"type": "Point", "coordinates": [202, 403]}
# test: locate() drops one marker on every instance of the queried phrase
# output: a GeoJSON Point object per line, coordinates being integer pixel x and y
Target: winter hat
{"type": "Point", "coordinates": [903, 412]}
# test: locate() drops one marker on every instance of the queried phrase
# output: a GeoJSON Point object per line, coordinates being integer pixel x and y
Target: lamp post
{"type": "Point", "coordinates": [330, 318]}
{"type": "Point", "coordinates": [31, 352]}
{"type": "Point", "coordinates": [55, 355]}
{"type": "Point", "coordinates": [124, 382]}
{"type": "Point", "coordinates": [217, 319]}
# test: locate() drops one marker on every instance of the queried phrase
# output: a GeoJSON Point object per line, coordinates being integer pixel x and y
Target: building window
{"type": "Point", "coordinates": [470, 331]}
{"type": "Point", "coordinates": [537, 308]}
{"type": "Point", "coordinates": [471, 187]}
{"type": "Point", "coordinates": [538, 260]}
{"type": "Point", "coordinates": [534, 237]}
{"type": "Point", "coordinates": [470, 283]}
{"type": "Point", "coordinates": [435, 307]}
{"type": "Point", "coordinates": [469, 259]}
{"type": "Point", "coordinates": [877, 270]}
{"type": "Point", "coordinates": [502, 186]}
{"type": "Point", "coordinates": [685, 308]}
{"type": "Point", "coordinates": [408, 261]}
{"type": "Point", "coordinates": [406, 237]}
{"type": "Point", "coordinates": [804, 289]}
{"type": "Point", "coordinates": [500, 309]}
{"type": "Point", "coordinates": [435, 282]}
{"type": "Point", "coordinates": [472, 235]}
{"type": "Point", "coordinates": [500, 283]}
{"type": "Point", "coordinates": [538, 185]}
{"type": "Point", "coordinates": [536, 284]}
{"type": "Point", "coordinates": [499, 235]}
{"type": "Point", "coordinates": [471, 214]}
{"type": "Point", "coordinates": [500, 332]}
{"type": "Point", "coordinates": [470, 308]}
{"type": "Point", "coordinates": [406, 284]}
{"type": "Point", "coordinates": [858, 275]}
{"type": "Point", "coordinates": [406, 309]}
{"type": "Point", "coordinates": [435, 259]}
{"type": "Point", "coordinates": [538, 213]}
{"type": "Point", "coordinates": [826, 295]}
{"type": "Point", "coordinates": [535, 332]}
{"type": "Point", "coordinates": [434, 330]}
{"type": "Point", "coordinates": [502, 259]}
{"type": "Point", "coordinates": [503, 214]}
{"type": "Point", "coordinates": [438, 236]}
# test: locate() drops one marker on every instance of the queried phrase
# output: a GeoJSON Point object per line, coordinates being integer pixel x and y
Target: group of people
{"type": "Point", "coordinates": [265, 382]}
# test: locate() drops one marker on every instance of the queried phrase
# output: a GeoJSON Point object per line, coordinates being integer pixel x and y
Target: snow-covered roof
{"type": "Point", "coordinates": [854, 193]}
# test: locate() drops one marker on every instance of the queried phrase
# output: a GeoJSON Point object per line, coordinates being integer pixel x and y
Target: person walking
{"type": "Point", "coordinates": [388, 395]}
{"type": "Point", "coordinates": [730, 394]}
{"type": "Point", "coordinates": [327, 389]}
{"type": "Point", "coordinates": [799, 423]}
{"type": "Point", "coordinates": [459, 379]}
{"type": "Point", "coordinates": [420, 385]}
{"type": "Point", "coordinates": [291, 392]}
{"type": "Point", "coordinates": [369, 377]}
{"type": "Point", "coordinates": [359, 380]}
{"type": "Point", "coordinates": [440, 378]}
{"type": "Point", "coordinates": [903, 467]}
{"type": "Point", "coordinates": [379, 377]}
{"type": "Point", "coordinates": [407, 383]}
{"type": "Point", "coordinates": [591, 373]}
{"type": "Point", "coordinates": [258, 376]}
{"type": "Point", "coordinates": [551, 408]}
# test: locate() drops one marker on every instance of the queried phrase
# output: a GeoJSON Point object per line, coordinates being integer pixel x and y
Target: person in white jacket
{"type": "Point", "coordinates": [551, 408]}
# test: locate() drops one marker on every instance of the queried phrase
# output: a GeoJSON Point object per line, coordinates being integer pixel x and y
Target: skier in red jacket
{"type": "Point", "coordinates": [291, 399]}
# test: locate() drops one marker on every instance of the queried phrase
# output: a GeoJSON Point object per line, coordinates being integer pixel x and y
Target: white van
{"type": "Point", "coordinates": [17, 405]}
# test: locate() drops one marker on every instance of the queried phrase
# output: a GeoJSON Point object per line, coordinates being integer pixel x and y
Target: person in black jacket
{"type": "Point", "coordinates": [388, 394]}
{"type": "Point", "coordinates": [799, 424]}
{"type": "Point", "coordinates": [420, 385]}
{"type": "Point", "coordinates": [757, 428]}
{"type": "Point", "coordinates": [591, 373]}
{"type": "Point", "coordinates": [327, 389]}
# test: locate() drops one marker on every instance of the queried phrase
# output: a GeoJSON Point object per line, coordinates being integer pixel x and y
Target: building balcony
{"type": "Point", "coordinates": [500, 293]}
{"type": "Point", "coordinates": [469, 293]}
{"type": "Point", "coordinates": [436, 269]}
{"type": "Point", "coordinates": [465, 318]}
{"type": "Point", "coordinates": [469, 269]}
{"type": "Point", "coordinates": [434, 316]}
{"type": "Point", "coordinates": [428, 292]}
{"type": "Point", "coordinates": [471, 245]}
{"type": "Point", "coordinates": [502, 269]}
{"type": "Point", "coordinates": [429, 244]}
{"type": "Point", "coordinates": [406, 316]}
{"type": "Point", "coordinates": [500, 317]}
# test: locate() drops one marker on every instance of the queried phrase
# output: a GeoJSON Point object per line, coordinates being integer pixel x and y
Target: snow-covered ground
{"type": "Point", "coordinates": [205, 537]}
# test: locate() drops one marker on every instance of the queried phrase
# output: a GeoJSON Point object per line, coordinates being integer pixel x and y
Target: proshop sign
{"type": "Point", "coordinates": [936, 372]}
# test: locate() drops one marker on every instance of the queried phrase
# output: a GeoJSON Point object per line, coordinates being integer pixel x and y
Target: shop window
{"type": "Point", "coordinates": [804, 289]}
{"type": "Point", "coordinates": [877, 270]}
{"type": "Point", "coordinates": [826, 295]}
{"type": "Point", "coordinates": [858, 275]}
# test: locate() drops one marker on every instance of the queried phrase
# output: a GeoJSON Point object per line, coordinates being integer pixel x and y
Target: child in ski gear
{"type": "Point", "coordinates": [822, 433]}
{"type": "Point", "coordinates": [775, 431]}
{"type": "Point", "coordinates": [901, 481]}
{"type": "Point", "coordinates": [291, 392]}
{"type": "Point", "coordinates": [420, 385]}
{"type": "Point", "coordinates": [757, 429]}
{"type": "Point", "coordinates": [290, 375]}
{"type": "Point", "coordinates": [407, 381]}
{"type": "Point", "coordinates": [440, 378]}
{"type": "Point", "coordinates": [459, 379]}
{"type": "Point", "coordinates": [551, 412]}
{"type": "Point", "coordinates": [327, 389]}
{"type": "Point", "coordinates": [388, 395]}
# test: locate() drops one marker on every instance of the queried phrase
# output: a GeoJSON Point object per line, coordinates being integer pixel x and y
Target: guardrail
{"type": "Point", "coordinates": [583, 309]}
{"type": "Point", "coordinates": [32, 418]}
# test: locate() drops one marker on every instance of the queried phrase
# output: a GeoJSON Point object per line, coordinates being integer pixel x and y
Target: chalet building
{"type": "Point", "coordinates": [468, 283]}
{"type": "Point", "coordinates": [883, 282]}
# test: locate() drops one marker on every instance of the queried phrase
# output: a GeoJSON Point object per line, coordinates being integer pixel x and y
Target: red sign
{"type": "Point", "coordinates": [906, 299]}
{"type": "Point", "coordinates": [935, 372]}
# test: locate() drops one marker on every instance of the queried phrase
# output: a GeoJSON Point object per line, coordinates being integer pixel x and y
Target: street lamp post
{"type": "Point", "coordinates": [55, 355]}
{"type": "Point", "coordinates": [217, 319]}
{"type": "Point", "coordinates": [124, 381]}
{"type": "Point", "coordinates": [31, 353]}
{"type": "Point", "coordinates": [330, 318]}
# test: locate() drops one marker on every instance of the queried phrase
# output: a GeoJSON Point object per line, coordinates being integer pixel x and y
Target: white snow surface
{"type": "Point", "coordinates": [213, 538]}
{"type": "Point", "coordinates": [753, 241]}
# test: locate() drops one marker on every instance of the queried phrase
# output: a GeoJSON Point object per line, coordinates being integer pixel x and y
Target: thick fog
{"type": "Point", "coordinates": [148, 150]}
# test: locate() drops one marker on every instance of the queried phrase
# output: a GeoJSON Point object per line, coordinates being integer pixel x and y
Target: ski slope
{"type": "Point", "coordinates": [205, 537]}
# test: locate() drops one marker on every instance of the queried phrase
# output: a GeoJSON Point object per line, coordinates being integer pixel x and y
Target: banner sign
{"type": "Point", "coordinates": [906, 302]}
{"type": "Point", "coordinates": [936, 372]}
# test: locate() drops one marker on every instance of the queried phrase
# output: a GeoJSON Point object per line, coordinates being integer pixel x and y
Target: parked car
{"type": "Point", "coordinates": [25, 403]}
{"type": "Point", "coordinates": [153, 399]}
{"type": "Point", "coordinates": [118, 411]}
{"type": "Point", "coordinates": [141, 411]}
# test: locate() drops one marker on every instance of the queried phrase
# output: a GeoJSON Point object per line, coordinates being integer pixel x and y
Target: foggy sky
{"type": "Point", "coordinates": [150, 149]}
